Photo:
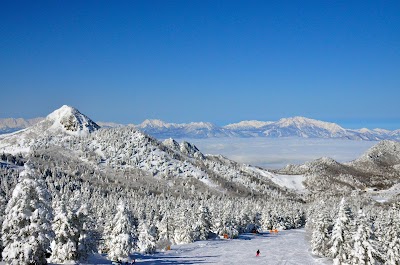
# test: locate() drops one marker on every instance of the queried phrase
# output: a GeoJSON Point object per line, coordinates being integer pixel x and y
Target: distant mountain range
{"type": "Point", "coordinates": [68, 135]}
{"type": "Point", "coordinates": [286, 127]}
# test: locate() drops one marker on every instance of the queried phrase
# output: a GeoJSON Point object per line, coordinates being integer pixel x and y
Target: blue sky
{"type": "Point", "coordinates": [216, 61]}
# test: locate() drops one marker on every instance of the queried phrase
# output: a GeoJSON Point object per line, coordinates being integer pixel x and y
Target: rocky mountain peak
{"type": "Point", "coordinates": [71, 121]}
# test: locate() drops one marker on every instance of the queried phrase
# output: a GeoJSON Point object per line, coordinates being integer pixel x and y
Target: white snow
{"type": "Point", "coordinates": [384, 195]}
{"type": "Point", "coordinates": [300, 122]}
{"type": "Point", "coordinates": [69, 116]}
{"type": "Point", "coordinates": [294, 182]}
{"type": "Point", "coordinates": [247, 124]}
{"type": "Point", "coordinates": [286, 247]}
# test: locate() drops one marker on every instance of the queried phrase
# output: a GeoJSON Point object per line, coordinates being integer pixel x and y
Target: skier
{"type": "Point", "coordinates": [258, 253]}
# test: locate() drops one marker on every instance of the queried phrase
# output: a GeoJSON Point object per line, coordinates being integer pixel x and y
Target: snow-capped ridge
{"type": "Point", "coordinates": [300, 122]}
{"type": "Point", "coordinates": [154, 123]}
{"type": "Point", "coordinates": [250, 124]}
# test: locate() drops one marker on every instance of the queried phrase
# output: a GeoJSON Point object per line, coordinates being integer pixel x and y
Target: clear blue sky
{"type": "Point", "coordinates": [216, 61]}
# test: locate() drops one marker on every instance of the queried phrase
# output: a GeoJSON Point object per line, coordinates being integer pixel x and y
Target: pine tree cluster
{"type": "Point", "coordinates": [354, 231]}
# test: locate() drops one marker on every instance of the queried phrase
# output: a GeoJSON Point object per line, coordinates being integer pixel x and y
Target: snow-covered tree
{"type": "Point", "coordinates": [2, 210]}
{"type": "Point", "coordinates": [147, 238]}
{"type": "Point", "coordinates": [165, 232]}
{"type": "Point", "coordinates": [390, 242]}
{"type": "Point", "coordinates": [203, 223]}
{"type": "Point", "coordinates": [321, 235]}
{"type": "Point", "coordinates": [88, 236]}
{"type": "Point", "coordinates": [26, 230]}
{"type": "Point", "coordinates": [66, 228]}
{"type": "Point", "coordinates": [341, 235]}
{"type": "Point", "coordinates": [122, 238]}
{"type": "Point", "coordinates": [183, 232]}
{"type": "Point", "coordinates": [364, 251]}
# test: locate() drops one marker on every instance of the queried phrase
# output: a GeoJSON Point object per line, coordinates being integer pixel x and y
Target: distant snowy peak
{"type": "Point", "coordinates": [201, 125]}
{"type": "Point", "coordinates": [252, 124]}
{"type": "Point", "coordinates": [163, 130]}
{"type": "Point", "coordinates": [154, 124]}
{"type": "Point", "coordinates": [302, 122]}
{"type": "Point", "coordinates": [70, 121]}
{"type": "Point", "coordinates": [159, 124]}
{"type": "Point", "coordinates": [286, 127]}
{"type": "Point", "coordinates": [306, 128]}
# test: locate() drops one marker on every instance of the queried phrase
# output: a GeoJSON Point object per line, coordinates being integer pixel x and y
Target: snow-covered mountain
{"type": "Point", "coordinates": [385, 154]}
{"type": "Point", "coordinates": [378, 167]}
{"type": "Point", "coordinates": [68, 133]}
{"type": "Point", "coordinates": [304, 127]}
{"type": "Point", "coordinates": [286, 127]}
{"type": "Point", "coordinates": [163, 130]}
{"type": "Point", "coordinates": [63, 121]}
{"type": "Point", "coordinates": [10, 125]}
{"type": "Point", "coordinates": [69, 120]}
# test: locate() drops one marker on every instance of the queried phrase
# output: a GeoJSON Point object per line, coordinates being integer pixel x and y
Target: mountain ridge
{"type": "Point", "coordinates": [286, 127]}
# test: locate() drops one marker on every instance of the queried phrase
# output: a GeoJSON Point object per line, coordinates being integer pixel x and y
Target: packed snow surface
{"type": "Point", "coordinates": [294, 182]}
{"type": "Point", "coordinates": [286, 247]}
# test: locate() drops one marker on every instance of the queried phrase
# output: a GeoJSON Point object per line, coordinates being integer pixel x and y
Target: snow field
{"type": "Point", "coordinates": [287, 247]}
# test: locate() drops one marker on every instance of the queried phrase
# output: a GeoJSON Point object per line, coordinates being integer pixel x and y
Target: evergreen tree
{"type": "Point", "coordinates": [321, 235]}
{"type": "Point", "coordinates": [341, 235]}
{"type": "Point", "coordinates": [26, 230]}
{"type": "Point", "coordinates": [392, 237]}
{"type": "Point", "coordinates": [88, 236]}
{"type": "Point", "coordinates": [165, 232]}
{"type": "Point", "coordinates": [147, 238]}
{"type": "Point", "coordinates": [66, 228]}
{"type": "Point", "coordinates": [183, 232]}
{"type": "Point", "coordinates": [122, 238]}
{"type": "Point", "coordinates": [203, 223]}
{"type": "Point", "coordinates": [2, 210]}
{"type": "Point", "coordinates": [364, 249]}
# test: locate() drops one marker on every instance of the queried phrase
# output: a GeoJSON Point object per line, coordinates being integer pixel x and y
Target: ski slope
{"type": "Point", "coordinates": [286, 247]}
